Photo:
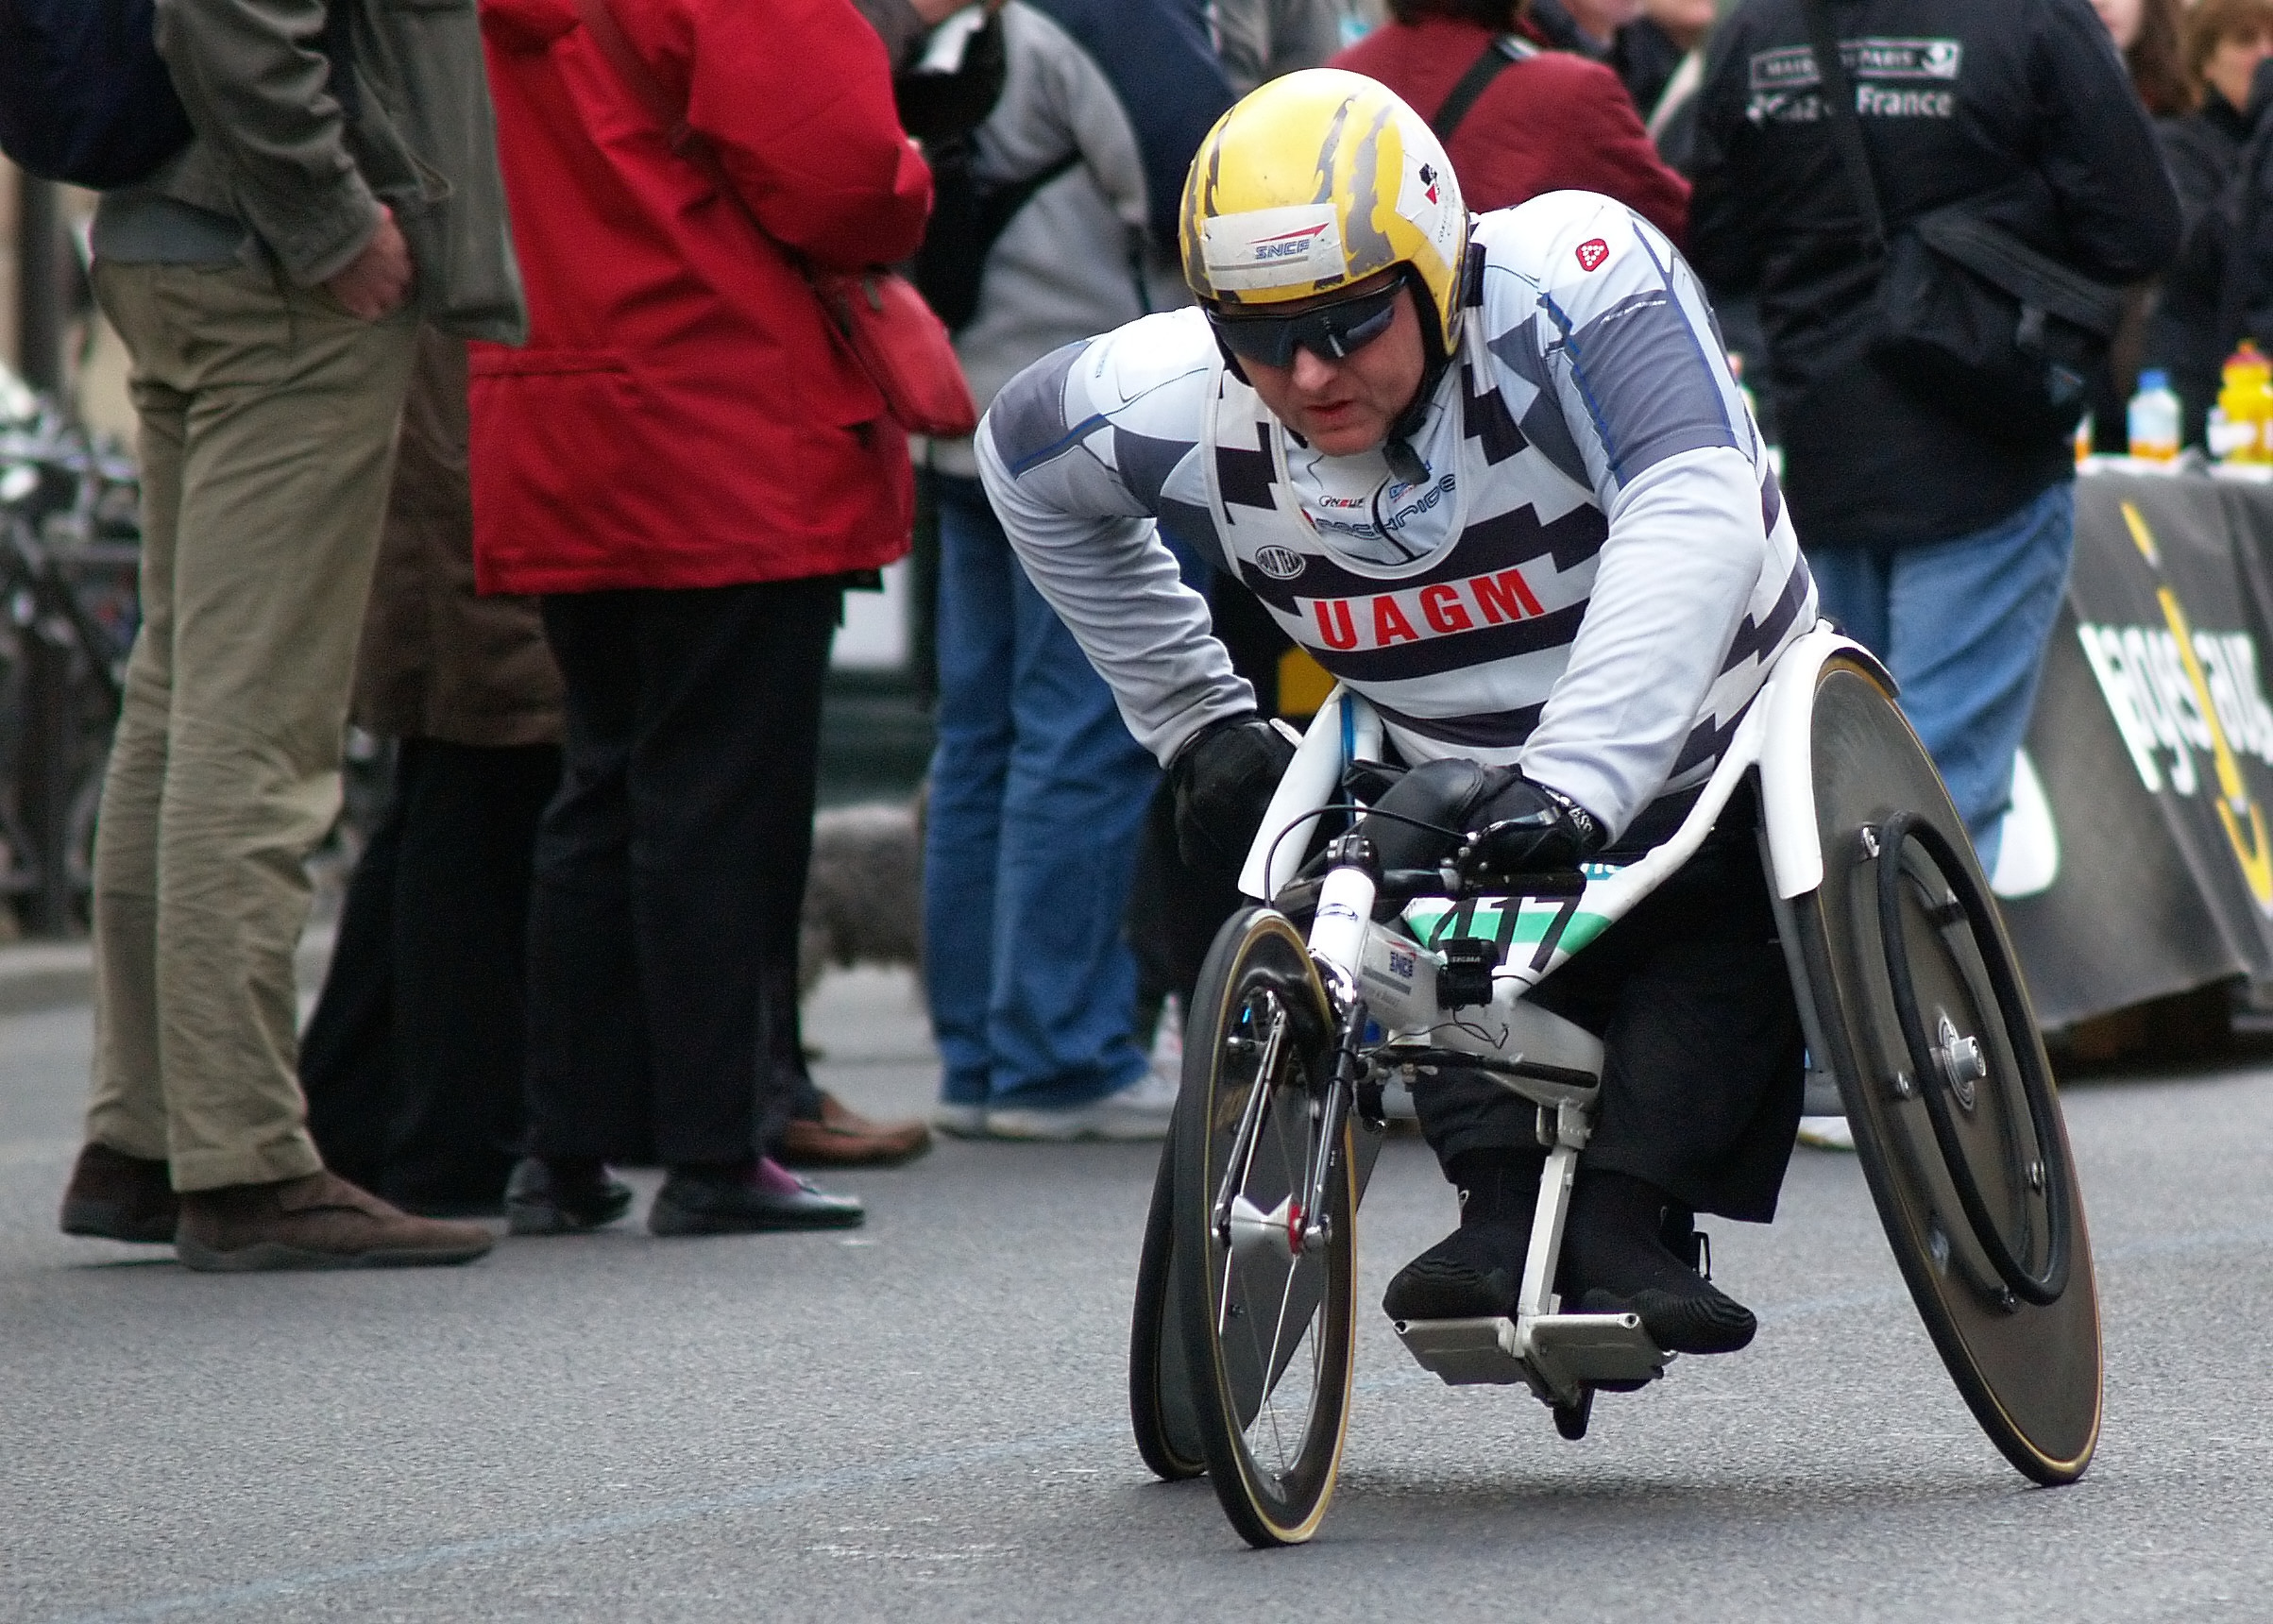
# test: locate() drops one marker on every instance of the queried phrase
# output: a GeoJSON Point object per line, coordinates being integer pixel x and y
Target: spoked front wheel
{"type": "Point", "coordinates": [1263, 1286]}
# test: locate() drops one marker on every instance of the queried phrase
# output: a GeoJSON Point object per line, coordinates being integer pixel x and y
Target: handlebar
{"type": "Point", "coordinates": [1401, 886]}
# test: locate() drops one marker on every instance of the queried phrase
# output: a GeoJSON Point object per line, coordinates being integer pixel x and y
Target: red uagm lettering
{"type": "Point", "coordinates": [1390, 625]}
{"type": "Point", "coordinates": [1442, 605]}
{"type": "Point", "coordinates": [1333, 622]}
{"type": "Point", "coordinates": [1504, 597]}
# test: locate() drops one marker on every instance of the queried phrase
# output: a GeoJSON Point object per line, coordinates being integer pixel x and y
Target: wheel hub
{"type": "Point", "coordinates": [1286, 1231]}
{"type": "Point", "coordinates": [1962, 1060]}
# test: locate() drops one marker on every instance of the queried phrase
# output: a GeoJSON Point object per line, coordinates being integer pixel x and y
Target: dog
{"type": "Point", "coordinates": [864, 894]}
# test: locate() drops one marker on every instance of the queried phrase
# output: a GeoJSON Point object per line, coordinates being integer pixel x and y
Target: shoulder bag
{"type": "Point", "coordinates": [1503, 52]}
{"type": "Point", "coordinates": [1969, 319]}
{"type": "Point", "coordinates": [884, 322]}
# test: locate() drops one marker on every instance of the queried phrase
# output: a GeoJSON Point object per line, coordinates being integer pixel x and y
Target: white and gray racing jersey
{"type": "Point", "coordinates": [1588, 578]}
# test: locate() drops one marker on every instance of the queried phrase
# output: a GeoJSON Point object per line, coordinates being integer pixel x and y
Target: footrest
{"type": "Point", "coordinates": [1465, 1352]}
{"type": "Point", "coordinates": [1552, 1355]}
{"type": "Point", "coordinates": [1595, 1347]}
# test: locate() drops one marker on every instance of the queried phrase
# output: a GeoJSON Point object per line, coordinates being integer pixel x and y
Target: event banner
{"type": "Point", "coordinates": [2137, 861]}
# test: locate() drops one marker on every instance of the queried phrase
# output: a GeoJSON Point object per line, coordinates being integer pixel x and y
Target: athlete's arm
{"type": "Point", "coordinates": [1075, 454]}
{"type": "Point", "coordinates": [1620, 329]}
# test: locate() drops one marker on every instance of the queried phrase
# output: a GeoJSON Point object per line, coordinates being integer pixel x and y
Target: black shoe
{"type": "Point", "coordinates": [1473, 1273]}
{"type": "Point", "coordinates": [757, 1197]}
{"type": "Point", "coordinates": [1704, 1321]}
{"type": "Point", "coordinates": [1616, 1260]}
{"type": "Point", "coordinates": [450, 1206]}
{"type": "Point", "coordinates": [562, 1197]}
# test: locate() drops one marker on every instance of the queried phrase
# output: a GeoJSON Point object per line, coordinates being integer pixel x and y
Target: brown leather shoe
{"type": "Point", "coordinates": [844, 1137]}
{"type": "Point", "coordinates": [319, 1222]}
{"type": "Point", "coordinates": [120, 1197]}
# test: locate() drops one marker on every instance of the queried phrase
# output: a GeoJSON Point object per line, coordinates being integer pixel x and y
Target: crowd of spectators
{"type": "Point", "coordinates": [637, 471]}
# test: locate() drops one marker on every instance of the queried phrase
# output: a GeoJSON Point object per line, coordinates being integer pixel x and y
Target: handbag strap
{"type": "Point", "coordinates": [1836, 94]}
{"type": "Point", "coordinates": [2036, 279]}
{"type": "Point", "coordinates": [1503, 52]}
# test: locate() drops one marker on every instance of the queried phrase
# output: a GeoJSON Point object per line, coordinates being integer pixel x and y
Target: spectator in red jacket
{"type": "Point", "coordinates": [683, 464]}
{"type": "Point", "coordinates": [1546, 122]}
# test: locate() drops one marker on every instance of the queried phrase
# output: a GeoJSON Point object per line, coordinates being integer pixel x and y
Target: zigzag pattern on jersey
{"type": "Point", "coordinates": [1245, 477]}
{"type": "Point", "coordinates": [1759, 638]}
{"type": "Point", "coordinates": [1488, 422]}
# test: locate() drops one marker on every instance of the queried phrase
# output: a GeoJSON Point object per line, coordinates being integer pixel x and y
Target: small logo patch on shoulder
{"type": "Point", "coordinates": [1592, 252]}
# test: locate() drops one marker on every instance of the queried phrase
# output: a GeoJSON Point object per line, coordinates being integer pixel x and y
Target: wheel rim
{"type": "Point", "coordinates": [1269, 1319]}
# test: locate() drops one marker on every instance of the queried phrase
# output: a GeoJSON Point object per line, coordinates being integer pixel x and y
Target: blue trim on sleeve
{"type": "Point", "coordinates": [1057, 448]}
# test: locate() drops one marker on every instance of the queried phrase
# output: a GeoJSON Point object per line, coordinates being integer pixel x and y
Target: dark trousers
{"type": "Point", "coordinates": [412, 1060]}
{"type": "Point", "coordinates": [1701, 1039]}
{"type": "Point", "coordinates": [670, 869]}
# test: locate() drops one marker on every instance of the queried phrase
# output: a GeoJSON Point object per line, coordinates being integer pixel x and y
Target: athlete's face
{"type": "Point", "coordinates": [1345, 407]}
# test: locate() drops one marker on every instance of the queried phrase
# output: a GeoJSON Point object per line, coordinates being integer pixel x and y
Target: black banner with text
{"type": "Point", "coordinates": [2137, 859]}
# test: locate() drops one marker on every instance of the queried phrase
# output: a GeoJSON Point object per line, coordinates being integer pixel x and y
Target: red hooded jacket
{"type": "Point", "coordinates": [684, 414]}
{"type": "Point", "coordinates": [1552, 122]}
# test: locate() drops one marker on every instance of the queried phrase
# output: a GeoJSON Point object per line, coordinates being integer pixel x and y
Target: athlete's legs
{"type": "Point", "coordinates": [1701, 1093]}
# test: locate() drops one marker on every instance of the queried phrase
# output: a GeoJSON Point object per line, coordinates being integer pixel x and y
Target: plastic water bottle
{"type": "Point", "coordinates": [2154, 418]}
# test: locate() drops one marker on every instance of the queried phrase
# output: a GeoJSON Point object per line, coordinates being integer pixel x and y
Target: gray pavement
{"type": "Point", "coordinates": [926, 1419]}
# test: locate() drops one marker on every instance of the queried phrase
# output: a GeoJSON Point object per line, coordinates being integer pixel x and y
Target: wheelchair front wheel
{"type": "Point", "coordinates": [1265, 1292]}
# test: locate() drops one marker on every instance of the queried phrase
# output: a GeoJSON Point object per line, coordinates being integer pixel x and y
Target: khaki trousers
{"type": "Point", "coordinates": [267, 431]}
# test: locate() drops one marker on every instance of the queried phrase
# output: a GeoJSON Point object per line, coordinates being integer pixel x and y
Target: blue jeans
{"type": "Point", "coordinates": [1962, 625]}
{"type": "Point", "coordinates": [1038, 800]}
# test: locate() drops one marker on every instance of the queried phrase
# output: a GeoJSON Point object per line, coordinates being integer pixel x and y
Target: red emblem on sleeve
{"type": "Point", "coordinates": [1592, 252]}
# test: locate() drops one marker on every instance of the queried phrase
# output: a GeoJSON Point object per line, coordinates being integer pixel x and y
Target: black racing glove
{"type": "Point", "coordinates": [1521, 827]}
{"type": "Point", "coordinates": [1223, 780]}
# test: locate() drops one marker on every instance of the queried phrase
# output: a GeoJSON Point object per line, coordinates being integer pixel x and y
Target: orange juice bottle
{"type": "Point", "coordinates": [2154, 418]}
{"type": "Point", "coordinates": [2246, 402]}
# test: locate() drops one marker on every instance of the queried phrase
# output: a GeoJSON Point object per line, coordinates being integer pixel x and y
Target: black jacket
{"type": "Point", "coordinates": [2204, 149]}
{"type": "Point", "coordinates": [2220, 161]}
{"type": "Point", "coordinates": [2023, 105]}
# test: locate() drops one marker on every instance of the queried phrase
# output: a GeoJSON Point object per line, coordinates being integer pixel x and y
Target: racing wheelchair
{"type": "Point", "coordinates": [1243, 1334]}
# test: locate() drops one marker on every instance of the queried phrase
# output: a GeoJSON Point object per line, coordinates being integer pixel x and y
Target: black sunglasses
{"type": "Point", "coordinates": [1331, 332]}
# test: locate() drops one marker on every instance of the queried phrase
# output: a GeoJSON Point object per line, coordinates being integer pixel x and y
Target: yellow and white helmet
{"type": "Point", "coordinates": [1313, 181]}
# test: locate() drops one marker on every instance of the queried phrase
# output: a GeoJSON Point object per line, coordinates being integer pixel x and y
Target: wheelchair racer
{"type": "Point", "coordinates": [1494, 475]}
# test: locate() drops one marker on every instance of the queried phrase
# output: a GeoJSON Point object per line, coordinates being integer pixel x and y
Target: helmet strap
{"type": "Point", "coordinates": [1230, 362]}
{"type": "Point", "coordinates": [1403, 461]}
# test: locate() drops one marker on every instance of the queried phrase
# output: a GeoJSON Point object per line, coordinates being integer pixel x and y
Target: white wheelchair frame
{"type": "Point", "coordinates": [1541, 1057]}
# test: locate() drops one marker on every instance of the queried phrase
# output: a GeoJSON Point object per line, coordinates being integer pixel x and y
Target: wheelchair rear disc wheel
{"type": "Point", "coordinates": [1160, 1384]}
{"type": "Point", "coordinates": [1267, 1323]}
{"type": "Point", "coordinates": [1926, 1022]}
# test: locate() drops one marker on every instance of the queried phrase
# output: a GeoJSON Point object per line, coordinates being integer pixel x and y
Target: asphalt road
{"type": "Point", "coordinates": [925, 1420]}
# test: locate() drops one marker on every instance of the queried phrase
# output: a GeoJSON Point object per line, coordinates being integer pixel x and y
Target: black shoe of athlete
{"type": "Point", "coordinates": [1614, 1261]}
{"type": "Point", "coordinates": [1704, 1321]}
{"type": "Point", "coordinates": [1475, 1272]}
